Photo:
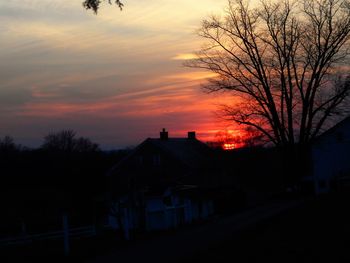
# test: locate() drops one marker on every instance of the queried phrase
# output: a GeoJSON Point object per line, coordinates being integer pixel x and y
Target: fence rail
{"type": "Point", "coordinates": [78, 232]}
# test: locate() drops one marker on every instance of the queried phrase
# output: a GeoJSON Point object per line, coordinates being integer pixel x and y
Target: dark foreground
{"type": "Point", "coordinates": [318, 231]}
{"type": "Point", "coordinates": [311, 231]}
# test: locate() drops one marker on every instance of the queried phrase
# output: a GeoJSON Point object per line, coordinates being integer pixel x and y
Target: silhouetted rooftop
{"type": "Point", "coordinates": [190, 151]}
{"type": "Point", "coordinates": [333, 129]}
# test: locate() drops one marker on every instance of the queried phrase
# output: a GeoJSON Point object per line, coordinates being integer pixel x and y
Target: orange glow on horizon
{"type": "Point", "coordinates": [229, 146]}
{"type": "Point", "coordinates": [234, 139]}
{"type": "Point", "coordinates": [65, 67]}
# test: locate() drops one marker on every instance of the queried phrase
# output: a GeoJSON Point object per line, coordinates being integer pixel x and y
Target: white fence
{"type": "Point", "coordinates": [65, 234]}
{"type": "Point", "coordinates": [78, 232]}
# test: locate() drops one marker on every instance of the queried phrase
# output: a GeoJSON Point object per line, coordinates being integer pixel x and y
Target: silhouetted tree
{"type": "Point", "coordinates": [246, 138]}
{"type": "Point", "coordinates": [286, 63]}
{"type": "Point", "coordinates": [228, 141]}
{"type": "Point", "coordinates": [95, 4]}
{"type": "Point", "coordinates": [60, 141]}
{"type": "Point", "coordinates": [7, 145]}
{"type": "Point", "coordinates": [66, 141]}
{"type": "Point", "coordinates": [253, 138]}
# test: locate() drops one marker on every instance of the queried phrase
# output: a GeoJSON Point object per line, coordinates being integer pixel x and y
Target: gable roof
{"type": "Point", "coordinates": [333, 129]}
{"type": "Point", "coordinates": [190, 152]}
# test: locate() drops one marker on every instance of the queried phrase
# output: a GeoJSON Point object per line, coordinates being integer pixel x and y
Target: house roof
{"type": "Point", "coordinates": [333, 129]}
{"type": "Point", "coordinates": [190, 152]}
{"type": "Point", "coordinates": [199, 173]}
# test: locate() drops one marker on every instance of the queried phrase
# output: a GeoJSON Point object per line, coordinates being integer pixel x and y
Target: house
{"type": "Point", "coordinates": [331, 158]}
{"type": "Point", "coordinates": [165, 182]}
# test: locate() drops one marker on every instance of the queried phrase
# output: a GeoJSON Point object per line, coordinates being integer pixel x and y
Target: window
{"type": "Point", "coordinates": [167, 200]}
{"type": "Point", "coordinates": [140, 160]}
{"type": "Point", "coordinates": [156, 160]}
{"type": "Point", "coordinates": [322, 184]}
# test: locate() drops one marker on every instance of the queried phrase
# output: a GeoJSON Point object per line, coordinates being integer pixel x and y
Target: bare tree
{"type": "Point", "coordinates": [286, 62]}
{"type": "Point", "coordinates": [95, 4]}
{"type": "Point", "coordinates": [67, 142]}
{"type": "Point", "coordinates": [60, 141]}
{"type": "Point", "coordinates": [7, 145]}
{"type": "Point", "coordinates": [228, 141]}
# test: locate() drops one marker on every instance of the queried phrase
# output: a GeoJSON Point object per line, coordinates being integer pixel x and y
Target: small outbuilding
{"type": "Point", "coordinates": [330, 155]}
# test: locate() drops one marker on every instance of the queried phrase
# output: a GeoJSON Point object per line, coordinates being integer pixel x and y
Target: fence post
{"type": "Point", "coordinates": [126, 224]}
{"type": "Point", "coordinates": [23, 228]}
{"type": "Point", "coordinates": [65, 234]}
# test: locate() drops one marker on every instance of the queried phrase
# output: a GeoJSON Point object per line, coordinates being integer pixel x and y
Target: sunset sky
{"type": "Point", "coordinates": [116, 77]}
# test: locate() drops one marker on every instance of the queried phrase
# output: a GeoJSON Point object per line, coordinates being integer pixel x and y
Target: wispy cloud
{"type": "Point", "coordinates": [185, 56]}
{"type": "Point", "coordinates": [63, 66]}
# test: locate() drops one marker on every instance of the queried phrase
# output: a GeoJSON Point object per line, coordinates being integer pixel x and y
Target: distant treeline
{"type": "Point", "coordinates": [66, 173]}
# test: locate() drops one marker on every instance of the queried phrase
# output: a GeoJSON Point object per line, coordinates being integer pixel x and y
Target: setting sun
{"type": "Point", "coordinates": [229, 146]}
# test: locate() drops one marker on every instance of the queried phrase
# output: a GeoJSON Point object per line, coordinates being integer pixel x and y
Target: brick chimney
{"type": "Point", "coordinates": [164, 135]}
{"type": "Point", "coordinates": [191, 135]}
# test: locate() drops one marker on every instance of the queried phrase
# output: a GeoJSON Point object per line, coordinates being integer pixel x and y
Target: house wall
{"type": "Point", "coordinates": [188, 211]}
{"type": "Point", "coordinates": [196, 210]}
{"type": "Point", "coordinates": [147, 170]}
{"type": "Point", "coordinates": [151, 164]}
{"type": "Point", "coordinates": [160, 216]}
{"type": "Point", "coordinates": [155, 214]}
{"type": "Point", "coordinates": [331, 158]}
{"type": "Point", "coordinates": [129, 218]}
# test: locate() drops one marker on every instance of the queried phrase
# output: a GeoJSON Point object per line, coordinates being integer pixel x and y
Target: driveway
{"type": "Point", "coordinates": [183, 244]}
